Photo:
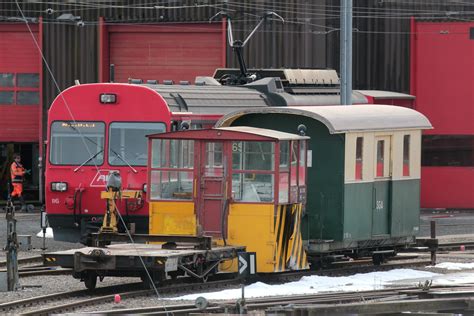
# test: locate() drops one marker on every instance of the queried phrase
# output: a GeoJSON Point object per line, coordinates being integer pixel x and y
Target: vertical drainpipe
{"type": "Point", "coordinates": [413, 58]}
{"type": "Point", "coordinates": [346, 52]}
{"type": "Point", "coordinates": [41, 117]}
{"type": "Point", "coordinates": [224, 43]}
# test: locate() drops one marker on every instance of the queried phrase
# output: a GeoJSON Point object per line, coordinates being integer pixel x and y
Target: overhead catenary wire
{"type": "Point", "coordinates": [83, 138]}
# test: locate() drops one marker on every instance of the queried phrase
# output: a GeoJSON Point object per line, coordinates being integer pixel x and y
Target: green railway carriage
{"type": "Point", "coordinates": [363, 195]}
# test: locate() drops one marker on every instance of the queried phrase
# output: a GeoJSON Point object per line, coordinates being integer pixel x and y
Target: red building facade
{"type": "Point", "coordinates": [442, 79]}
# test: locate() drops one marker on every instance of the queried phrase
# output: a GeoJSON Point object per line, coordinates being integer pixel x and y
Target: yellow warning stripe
{"type": "Point", "coordinates": [289, 249]}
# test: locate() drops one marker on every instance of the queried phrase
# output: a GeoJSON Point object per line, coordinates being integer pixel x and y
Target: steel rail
{"type": "Point", "coordinates": [34, 259]}
{"type": "Point", "coordinates": [165, 289]}
{"type": "Point", "coordinates": [37, 300]}
{"type": "Point", "coordinates": [186, 287]}
{"type": "Point", "coordinates": [374, 296]}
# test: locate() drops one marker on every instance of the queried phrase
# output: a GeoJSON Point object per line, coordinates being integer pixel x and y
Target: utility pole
{"type": "Point", "coordinates": [12, 246]}
{"type": "Point", "coordinates": [346, 52]}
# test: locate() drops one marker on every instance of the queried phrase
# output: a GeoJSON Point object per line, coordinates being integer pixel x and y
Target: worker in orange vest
{"type": "Point", "coordinates": [17, 172]}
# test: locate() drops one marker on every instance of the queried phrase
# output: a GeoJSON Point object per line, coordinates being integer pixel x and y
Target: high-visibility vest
{"type": "Point", "coordinates": [17, 172]}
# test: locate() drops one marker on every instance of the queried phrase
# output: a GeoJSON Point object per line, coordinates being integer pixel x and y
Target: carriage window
{"type": "Point", "coordinates": [252, 155]}
{"type": "Point", "coordinates": [171, 185]}
{"type": "Point", "coordinates": [128, 142]}
{"type": "Point", "coordinates": [406, 155]}
{"type": "Point", "coordinates": [180, 154]}
{"type": "Point", "coordinates": [284, 176]}
{"type": "Point", "coordinates": [302, 170]}
{"type": "Point", "coordinates": [284, 155]}
{"type": "Point", "coordinates": [380, 158]}
{"type": "Point", "coordinates": [359, 155]}
{"type": "Point", "coordinates": [77, 143]}
{"type": "Point", "coordinates": [252, 187]}
{"type": "Point", "coordinates": [213, 165]}
{"type": "Point", "coordinates": [251, 164]}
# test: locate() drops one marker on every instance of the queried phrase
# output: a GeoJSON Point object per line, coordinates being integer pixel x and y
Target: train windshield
{"type": "Point", "coordinates": [77, 143]}
{"type": "Point", "coordinates": [128, 142]}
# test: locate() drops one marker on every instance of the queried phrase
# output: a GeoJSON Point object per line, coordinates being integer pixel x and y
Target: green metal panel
{"type": "Point", "coordinates": [324, 207]}
{"type": "Point", "coordinates": [358, 205]}
{"type": "Point", "coordinates": [381, 208]}
{"type": "Point", "coordinates": [405, 207]}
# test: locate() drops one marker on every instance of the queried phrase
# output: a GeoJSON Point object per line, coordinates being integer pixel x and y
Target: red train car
{"type": "Point", "coordinates": [96, 128]}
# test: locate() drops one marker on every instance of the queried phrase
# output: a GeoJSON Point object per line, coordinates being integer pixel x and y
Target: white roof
{"type": "Point", "coordinates": [381, 94]}
{"type": "Point", "coordinates": [347, 118]}
{"type": "Point", "coordinates": [264, 132]}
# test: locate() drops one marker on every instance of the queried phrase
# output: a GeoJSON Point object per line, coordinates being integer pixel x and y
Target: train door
{"type": "Point", "coordinates": [212, 177]}
{"type": "Point", "coordinates": [381, 189]}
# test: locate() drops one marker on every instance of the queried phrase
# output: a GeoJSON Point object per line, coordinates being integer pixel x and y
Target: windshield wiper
{"type": "Point", "coordinates": [121, 158]}
{"type": "Point", "coordinates": [89, 159]}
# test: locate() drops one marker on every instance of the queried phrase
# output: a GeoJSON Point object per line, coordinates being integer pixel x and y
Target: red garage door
{"type": "Point", "coordinates": [442, 79]}
{"type": "Point", "coordinates": [166, 52]}
{"type": "Point", "coordinates": [19, 85]}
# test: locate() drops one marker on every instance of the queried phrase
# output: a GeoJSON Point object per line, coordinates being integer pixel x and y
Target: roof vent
{"type": "Point", "coordinates": [135, 81]}
{"type": "Point", "coordinates": [184, 82]}
{"type": "Point", "coordinates": [206, 81]}
{"type": "Point", "coordinates": [152, 81]}
{"type": "Point", "coordinates": [168, 82]}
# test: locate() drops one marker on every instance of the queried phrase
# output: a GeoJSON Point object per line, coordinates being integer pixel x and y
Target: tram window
{"type": "Point", "coordinates": [171, 185]}
{"type": "Point", "coordinates": [253, 156]}
{"type": "Point", "coordinates": [380, 158]}
{"type": "Point", "coordinates": [77, 143]}
{"type": "Point", "coordinates": [284, 155]}
{"type": "Point", "coordinates": [294, 163]}
{"type": "Point", "coordinates": [406, 155]}
{"type": "Point", "coordinates": [359, 159]}
{"type": "Point", "coordinates": [128, 142]}
{"type": "Point", "coordinates": [255, 188]}
{"type": "Point", "coordinates": [213, 159]}
{"type": "Point", "coordinates": [448, 151]}
{"type": "Point", "coordinates": [172, 153]}
{"type": "Point", "coordinates": [302, 170]}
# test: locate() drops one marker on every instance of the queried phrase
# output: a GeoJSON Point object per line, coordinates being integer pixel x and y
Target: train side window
{"type": "Point", "coordinates": [302, 166]}
{"type": "Point", "coordinates": [406, 155]}
{"type": "Point", "coordinates": [359, 158]}
{"type": "Point", "coordinates": [252, 171]}
{"type": "Point", "coordinates": [380, 158]}
{"type": "Point", "coordinates": [284, 175]}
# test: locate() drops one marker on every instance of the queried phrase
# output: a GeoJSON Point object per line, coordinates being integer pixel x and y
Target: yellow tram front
{"type": "Point", "coordinates": [241, 185]}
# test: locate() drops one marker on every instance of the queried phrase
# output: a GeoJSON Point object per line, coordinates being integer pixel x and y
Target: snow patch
{"type": "Point", "coordinates": [454, 265]}
{"type": "Point", "coordinates": [49, 233]}
{"type": "Point", "coordinates": [317, 284]}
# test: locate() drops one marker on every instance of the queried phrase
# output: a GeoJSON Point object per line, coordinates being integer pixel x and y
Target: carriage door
{"type": "Point", "coordinates": [381, 190]}
{"type": "Point", "coordinates": [212, 187]}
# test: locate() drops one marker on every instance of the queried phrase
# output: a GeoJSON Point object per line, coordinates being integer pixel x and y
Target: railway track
{"type": "Point", "coordinates": [74, 301]}
{"type": "Point", "coordinates": [42, 299]}
{"type": "Point", "coordinates": [22, 261]}
{"type": "Point", "coordinates": [79, 302]}
{"type": "Point", "coordinates": [276, 303]}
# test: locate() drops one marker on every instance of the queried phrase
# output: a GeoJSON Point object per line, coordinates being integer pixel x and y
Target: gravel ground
{"type": "Point", "coordinates": [452, 227]}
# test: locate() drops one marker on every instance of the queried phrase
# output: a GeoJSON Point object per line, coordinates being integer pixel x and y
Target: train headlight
{"type": "Point", "coordinates": [108, 98]}
{"type": "Point", "coordinates": [145, 187]}
{"type": "Point", "coordinates": [59, 186]}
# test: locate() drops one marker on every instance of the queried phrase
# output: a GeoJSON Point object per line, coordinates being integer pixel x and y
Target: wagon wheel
{"type": "Point", "coordinates": [90, 280]}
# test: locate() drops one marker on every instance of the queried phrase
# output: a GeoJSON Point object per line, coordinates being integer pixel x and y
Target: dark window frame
{"type": "Point", "coordinates": [16, 89]}
{"type": "Point", "coordinates": [447, 151]}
